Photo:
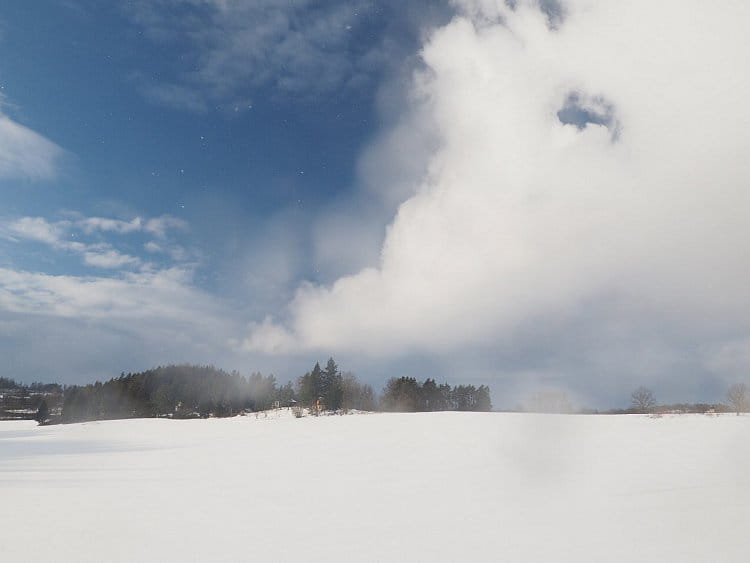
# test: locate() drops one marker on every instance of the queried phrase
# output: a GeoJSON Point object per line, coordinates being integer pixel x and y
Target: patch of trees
{"type": "Point", "coordinates": [187, 391]}
{"type": "Point", "coordinates": [406, 394]}
{"type": "Point", "coordinates": [333, 390]}
{"type": "Point", "coordinates": [180, 391]}
{"type": "Point", "coordinates": [643, 401]}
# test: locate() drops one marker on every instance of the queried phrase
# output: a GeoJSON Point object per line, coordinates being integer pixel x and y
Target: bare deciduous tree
{"type": "Point", "coordinates": [642, 399]}
{"type": "Point", "coordinates": [737, 397]}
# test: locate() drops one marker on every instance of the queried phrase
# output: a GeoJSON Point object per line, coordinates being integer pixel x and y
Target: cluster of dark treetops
{"type": "Point", "coordinates": [192, 391]}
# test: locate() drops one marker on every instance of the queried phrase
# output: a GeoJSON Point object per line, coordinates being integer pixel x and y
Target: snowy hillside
{"type": "Point", "coordinates": [381, 487]}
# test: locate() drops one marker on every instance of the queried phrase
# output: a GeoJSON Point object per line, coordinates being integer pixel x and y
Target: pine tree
{"type": "Point", "coordinates": [332, 388]}
{"type": "Point", "coordinates": [42, 414]}
{"type": "Point", "coordinates": [429, 396]}
{"type": "Point", "coordinates": [483, 402]}
{"type": "Point", "coordinates": [309, 386]}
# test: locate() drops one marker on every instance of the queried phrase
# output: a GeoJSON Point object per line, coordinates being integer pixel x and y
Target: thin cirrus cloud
{"type": "Point", "coordinates": [588, 162]}
{"type": "Point", "coordinates": [25, 153]}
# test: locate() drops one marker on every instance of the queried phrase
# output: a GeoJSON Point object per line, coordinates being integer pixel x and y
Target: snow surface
{"type": "Point", "coordinates": [381, 487]}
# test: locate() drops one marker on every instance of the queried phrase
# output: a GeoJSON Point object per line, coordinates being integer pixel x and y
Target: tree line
{"type": "Point", "coordinates": [643, 401]}
{"type": "Point", "coordinates": [179, 391]}
{"type": "Point", "coordinates": [191, 391]}
{"type": "Point", "coordinates": [406, 394]}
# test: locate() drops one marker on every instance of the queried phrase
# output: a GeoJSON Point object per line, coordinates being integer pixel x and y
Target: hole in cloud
{"type": "Point", "coordinates": [581, 110]}
{"type": "Point", "coordinates": [553, 9]}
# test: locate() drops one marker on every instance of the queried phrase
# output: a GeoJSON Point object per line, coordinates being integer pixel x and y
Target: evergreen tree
{"type": "Point", "coordinates": [483, 402]}
{"type": "Point", "coordinates": [42, 413]}
{"type": "Point", "coordinates": [445, 398]}
{"type": "Point", "coordinates": [429, 396]}
{"type": "Point", "coordinates": [309, 386]}
{"type": "Point", "coordinates": [401, 395]}
{"type": "Point", "coordinates": [332, 386]}
{"type": "Point", "coordinates": [286, 394]}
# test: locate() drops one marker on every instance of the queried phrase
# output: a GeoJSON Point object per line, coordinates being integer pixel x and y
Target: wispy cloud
{"type": "Point", "coordinates": [165, 294]}
{"type": "Point", "coordinates": [64, 235]}
{"type": "Point", "coordinates": [157, 226]}
{"type": "Point", "coordinates": [175, 251]}
{"type": "Point", "coordinates": [25, 153]}
{"type": "Point", "coordinates": [92, 224]}
{"type": "Point", "coordinates": [109, 258]}
{"type": "Point", "coordinates": [303, 48]}
{"type": "Point", "coordinates": [36, 229]}
{"type": "Point", "coordinates": [128, 314]}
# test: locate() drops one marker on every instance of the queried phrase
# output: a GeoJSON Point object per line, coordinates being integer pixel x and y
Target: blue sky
{"type": "Point", "coordinates": [78, 73]}
{"type": "Point", "coordinates": [233, 162]}
{"type": "Point", "coordinates": [475, 191]}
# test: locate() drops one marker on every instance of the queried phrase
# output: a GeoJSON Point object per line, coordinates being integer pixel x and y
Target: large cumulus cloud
{"type": "Point", "coordinates": [589, 166]}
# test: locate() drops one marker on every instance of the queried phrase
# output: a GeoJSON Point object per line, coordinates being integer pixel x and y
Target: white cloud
{"type": "Point", "coordinates": [109, 258]}
{"type": "Point", "coordinates": [26, 154]}
{"type": "Point", "coordinates": [347, 235]}
{"type": "Point", "coordinates": [93, 224]}
{"type": "Point", "coordinates": [77, 328]}
{"type": "Point", "coordinates": [153, 247]}
{"type": "Point", "coordinates": [267, 336]}
{"type": "Point", "coordinates": [174, 251]}
{"type": "Point", "coordinates": [158, 226]}
{"type": "Point", "coordinates": [162, 296]}
{"type": "Point", "coordinates": [56, 235]}
{"type": "Point", "coordinates": [37, 229]}
{"type": "Point", "coordinates": [524, 219]}
{"type": "Point", "coordinates": [63, 235]}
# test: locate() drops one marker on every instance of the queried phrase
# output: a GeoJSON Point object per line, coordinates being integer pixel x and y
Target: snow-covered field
{"type": "Point", "coordinates": [381, 487]}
